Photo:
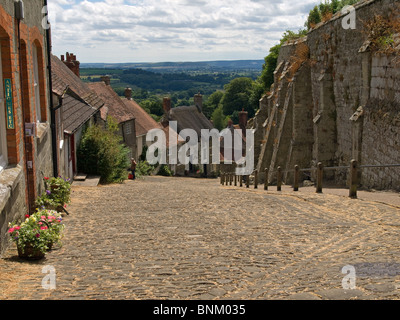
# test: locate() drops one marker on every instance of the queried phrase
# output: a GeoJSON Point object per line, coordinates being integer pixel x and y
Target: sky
{"type": "Point", "coordinates": [119, 31]}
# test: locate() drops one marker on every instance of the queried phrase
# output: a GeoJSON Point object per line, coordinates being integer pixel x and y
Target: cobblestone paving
{"type": "Point", "coordinates": [184, 238]}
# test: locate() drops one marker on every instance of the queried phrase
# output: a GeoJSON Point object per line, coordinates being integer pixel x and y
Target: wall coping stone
{"type": "Point", "coordinates": [9, 178]}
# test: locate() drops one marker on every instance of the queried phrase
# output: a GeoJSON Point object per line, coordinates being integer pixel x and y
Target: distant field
{"type": "Point", "coordinates": [202, 66]}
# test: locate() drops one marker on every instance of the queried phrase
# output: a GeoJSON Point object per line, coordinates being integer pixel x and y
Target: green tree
{"type": "Point", "coordinates": [153, 106]}
{"type": "Point", "coordinates": [271, 60]}
{"type": "Point", "coordinates": [102, 152]}
{"type": "Point", "coordinates": [218, 118]}
{"type": "Point", "coordinates": [212, 103]}
{"type": "Point", "coordinates": [314, 18]}
{"type": "Point", "coordinates": [237, 96]}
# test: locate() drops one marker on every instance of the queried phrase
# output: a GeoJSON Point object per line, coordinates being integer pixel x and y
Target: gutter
{"type": "Point", "coordinates": [52, 110]}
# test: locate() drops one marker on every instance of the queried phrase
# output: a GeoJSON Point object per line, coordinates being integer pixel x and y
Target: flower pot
{"type": "Point", "coordinates": [30, 253]}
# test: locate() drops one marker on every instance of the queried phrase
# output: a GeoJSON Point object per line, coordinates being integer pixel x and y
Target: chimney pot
{"type": "Point", "coordinates": [167, 104]}
{"type": "Point", "coordinates": [106, 80]}
{"type": "Point", "coordinates": [71, 63]}
{"type": "Point", "coordinates": [198, 101]}
{"type": "Point", "coordinates": [128, 93]}
{"type": "Point", "coordinates": [243, 120]}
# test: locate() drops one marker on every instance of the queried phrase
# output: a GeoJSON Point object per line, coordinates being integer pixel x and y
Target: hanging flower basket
{"type": "Point", "coordinates": [28, 252]}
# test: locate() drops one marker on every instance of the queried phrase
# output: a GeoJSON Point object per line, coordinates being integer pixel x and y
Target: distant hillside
{"type": "Point", "coordinates": [203, 66]}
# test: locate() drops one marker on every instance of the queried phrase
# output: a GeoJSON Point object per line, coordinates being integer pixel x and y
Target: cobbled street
{"type": "Point", "coordinates": [186, 238]}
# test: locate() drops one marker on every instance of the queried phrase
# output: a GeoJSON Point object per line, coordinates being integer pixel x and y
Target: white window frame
{"type": "Point", "coordinates": [36, 83]}
{"type": "Point", "coordinates": [3, 132]}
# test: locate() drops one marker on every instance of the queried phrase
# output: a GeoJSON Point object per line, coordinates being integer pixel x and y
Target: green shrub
{"type": "Point", "coordinates": [102, 153]}
{"type": "Point", "coordinates": [164, 171]}
{"type": "Point", "coordinates": [143, 168]}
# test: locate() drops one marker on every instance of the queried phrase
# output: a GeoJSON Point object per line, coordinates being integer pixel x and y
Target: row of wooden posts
{"type": "Point", "coordinates": [232, 178]}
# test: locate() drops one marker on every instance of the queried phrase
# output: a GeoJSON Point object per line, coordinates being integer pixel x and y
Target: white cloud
{"type": "Point", "coordinates": [172, 30]}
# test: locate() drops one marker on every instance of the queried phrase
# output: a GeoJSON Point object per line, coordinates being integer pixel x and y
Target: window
{"type": "Point", "coordinates": [36, 82]}
{"type": "Point", "coordinates": [3, 137]}
{"type": "Point", "coordinates": [128, 128]}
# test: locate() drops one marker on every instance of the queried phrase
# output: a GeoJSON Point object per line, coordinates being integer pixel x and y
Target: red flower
{"type": "Point", "coordinates": [27, 216]}
{"type": "Point", "coordinates": [37, 235]}
{"type": "Point", "coordinates": [46, 178]}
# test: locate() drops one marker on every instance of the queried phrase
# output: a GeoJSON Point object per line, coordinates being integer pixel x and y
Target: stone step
{"type": "Point", "coordinates": [80, 177]}
{"type": "Point", "coordinates": [90, 181]}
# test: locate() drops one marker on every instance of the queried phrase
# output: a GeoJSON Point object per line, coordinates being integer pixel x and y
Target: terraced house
{"type": "Point", "coordinates": [26, 154]}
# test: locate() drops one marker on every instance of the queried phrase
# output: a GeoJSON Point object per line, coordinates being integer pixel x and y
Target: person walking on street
{"type": "Point", "coordinates": [133, 168]}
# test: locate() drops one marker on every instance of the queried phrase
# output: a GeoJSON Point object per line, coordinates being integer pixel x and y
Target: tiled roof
{"type": "Point", "coordinates": [62, 77]}
{"type": "Point", "coordinates": [143, 121]}
{"type": "Point", "coordinates": [75, 113]}
{"type": "Point", "coordinates": [190, 118]}
{"type": "Point", "coordinates": [79, 103]}
{"type": "Point", "coordinates": [116, 107]}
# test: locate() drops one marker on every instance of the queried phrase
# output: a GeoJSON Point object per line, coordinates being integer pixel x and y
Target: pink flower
{"type": "Point", "coordinates": [43, 228]}
{"type": "Point", "coordinates": [11, 230]}
{"type": "Point", "coordinates": [17, 228]}
{"type": "Point", "coordinates": [43, 217]}
{"type": "Point", "coordinates": [37, 235]}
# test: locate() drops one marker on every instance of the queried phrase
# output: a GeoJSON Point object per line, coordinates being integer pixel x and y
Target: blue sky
{"type": "Point", "coordinates": [172, 30]}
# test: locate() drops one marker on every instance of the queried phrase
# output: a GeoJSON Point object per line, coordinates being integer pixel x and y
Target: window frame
{"type": "Point", "coordinates": [36, 82]}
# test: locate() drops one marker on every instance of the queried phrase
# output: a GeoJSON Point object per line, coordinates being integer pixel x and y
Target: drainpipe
{"type": "Point", "coordinates": [19, 15]}
{"type": "Point", "coordinates": [52, 110]}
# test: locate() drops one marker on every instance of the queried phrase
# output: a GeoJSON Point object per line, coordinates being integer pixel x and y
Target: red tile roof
{"type": "Point", "coordinates": [116, 108]}
{"type": "Point", "coordinates": [143, 121]}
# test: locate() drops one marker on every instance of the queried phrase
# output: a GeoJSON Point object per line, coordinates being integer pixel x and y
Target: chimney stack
{"type": "Point", "coordinates": [198, 101]}
{"type": "Point", "coordinates": [128, 93]}
{"type": "Point", "coordinates": [243, 121]}
{"type": "Point", "coordinates": [71, 63]}
{"type": "Point", "coordinates": [167, 104]}
{"type": "Point", "coordinates": [106, 80]}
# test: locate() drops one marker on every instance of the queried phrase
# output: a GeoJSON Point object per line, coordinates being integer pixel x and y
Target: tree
{"type": "Point", "coordinates": [212, 103]}
{"type": "Point", "coordinates": [218, 118]}
{"type": "Point", "coordinates": [237, 96]}
{"type": "Point", "coordinates": [313, 18]}
{"type": "Point", "coordinates": [267, 74]}
{"type": "Point", "coordinates": [101, 152]}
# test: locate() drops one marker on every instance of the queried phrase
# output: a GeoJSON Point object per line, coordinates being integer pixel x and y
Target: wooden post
{"type": "Point", "coordinates": [320, 170]}
{"type": "Point", "coordinates": [235, 179]}
{"type": "Point", "coordinates": [256, 179]}
{"type": "Point", "coordinates": [279, 179]}
{"type": "Point", "coordinates": [241, 181]}
{"type": "Point", "coordinates": [353, 179]}
{"type": "Point", "coordinates": [296, 178]}
{"type": "Point", "coordinates": [247, 181]}
{"type": "Point", "coordinates": [222, 178]}
{"type": "Point", "coordinates": [226, 178]}
{"type": "Point", "coordinates": [266, 179]}
{"type": "Point", "coordinates": [230, 178]}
